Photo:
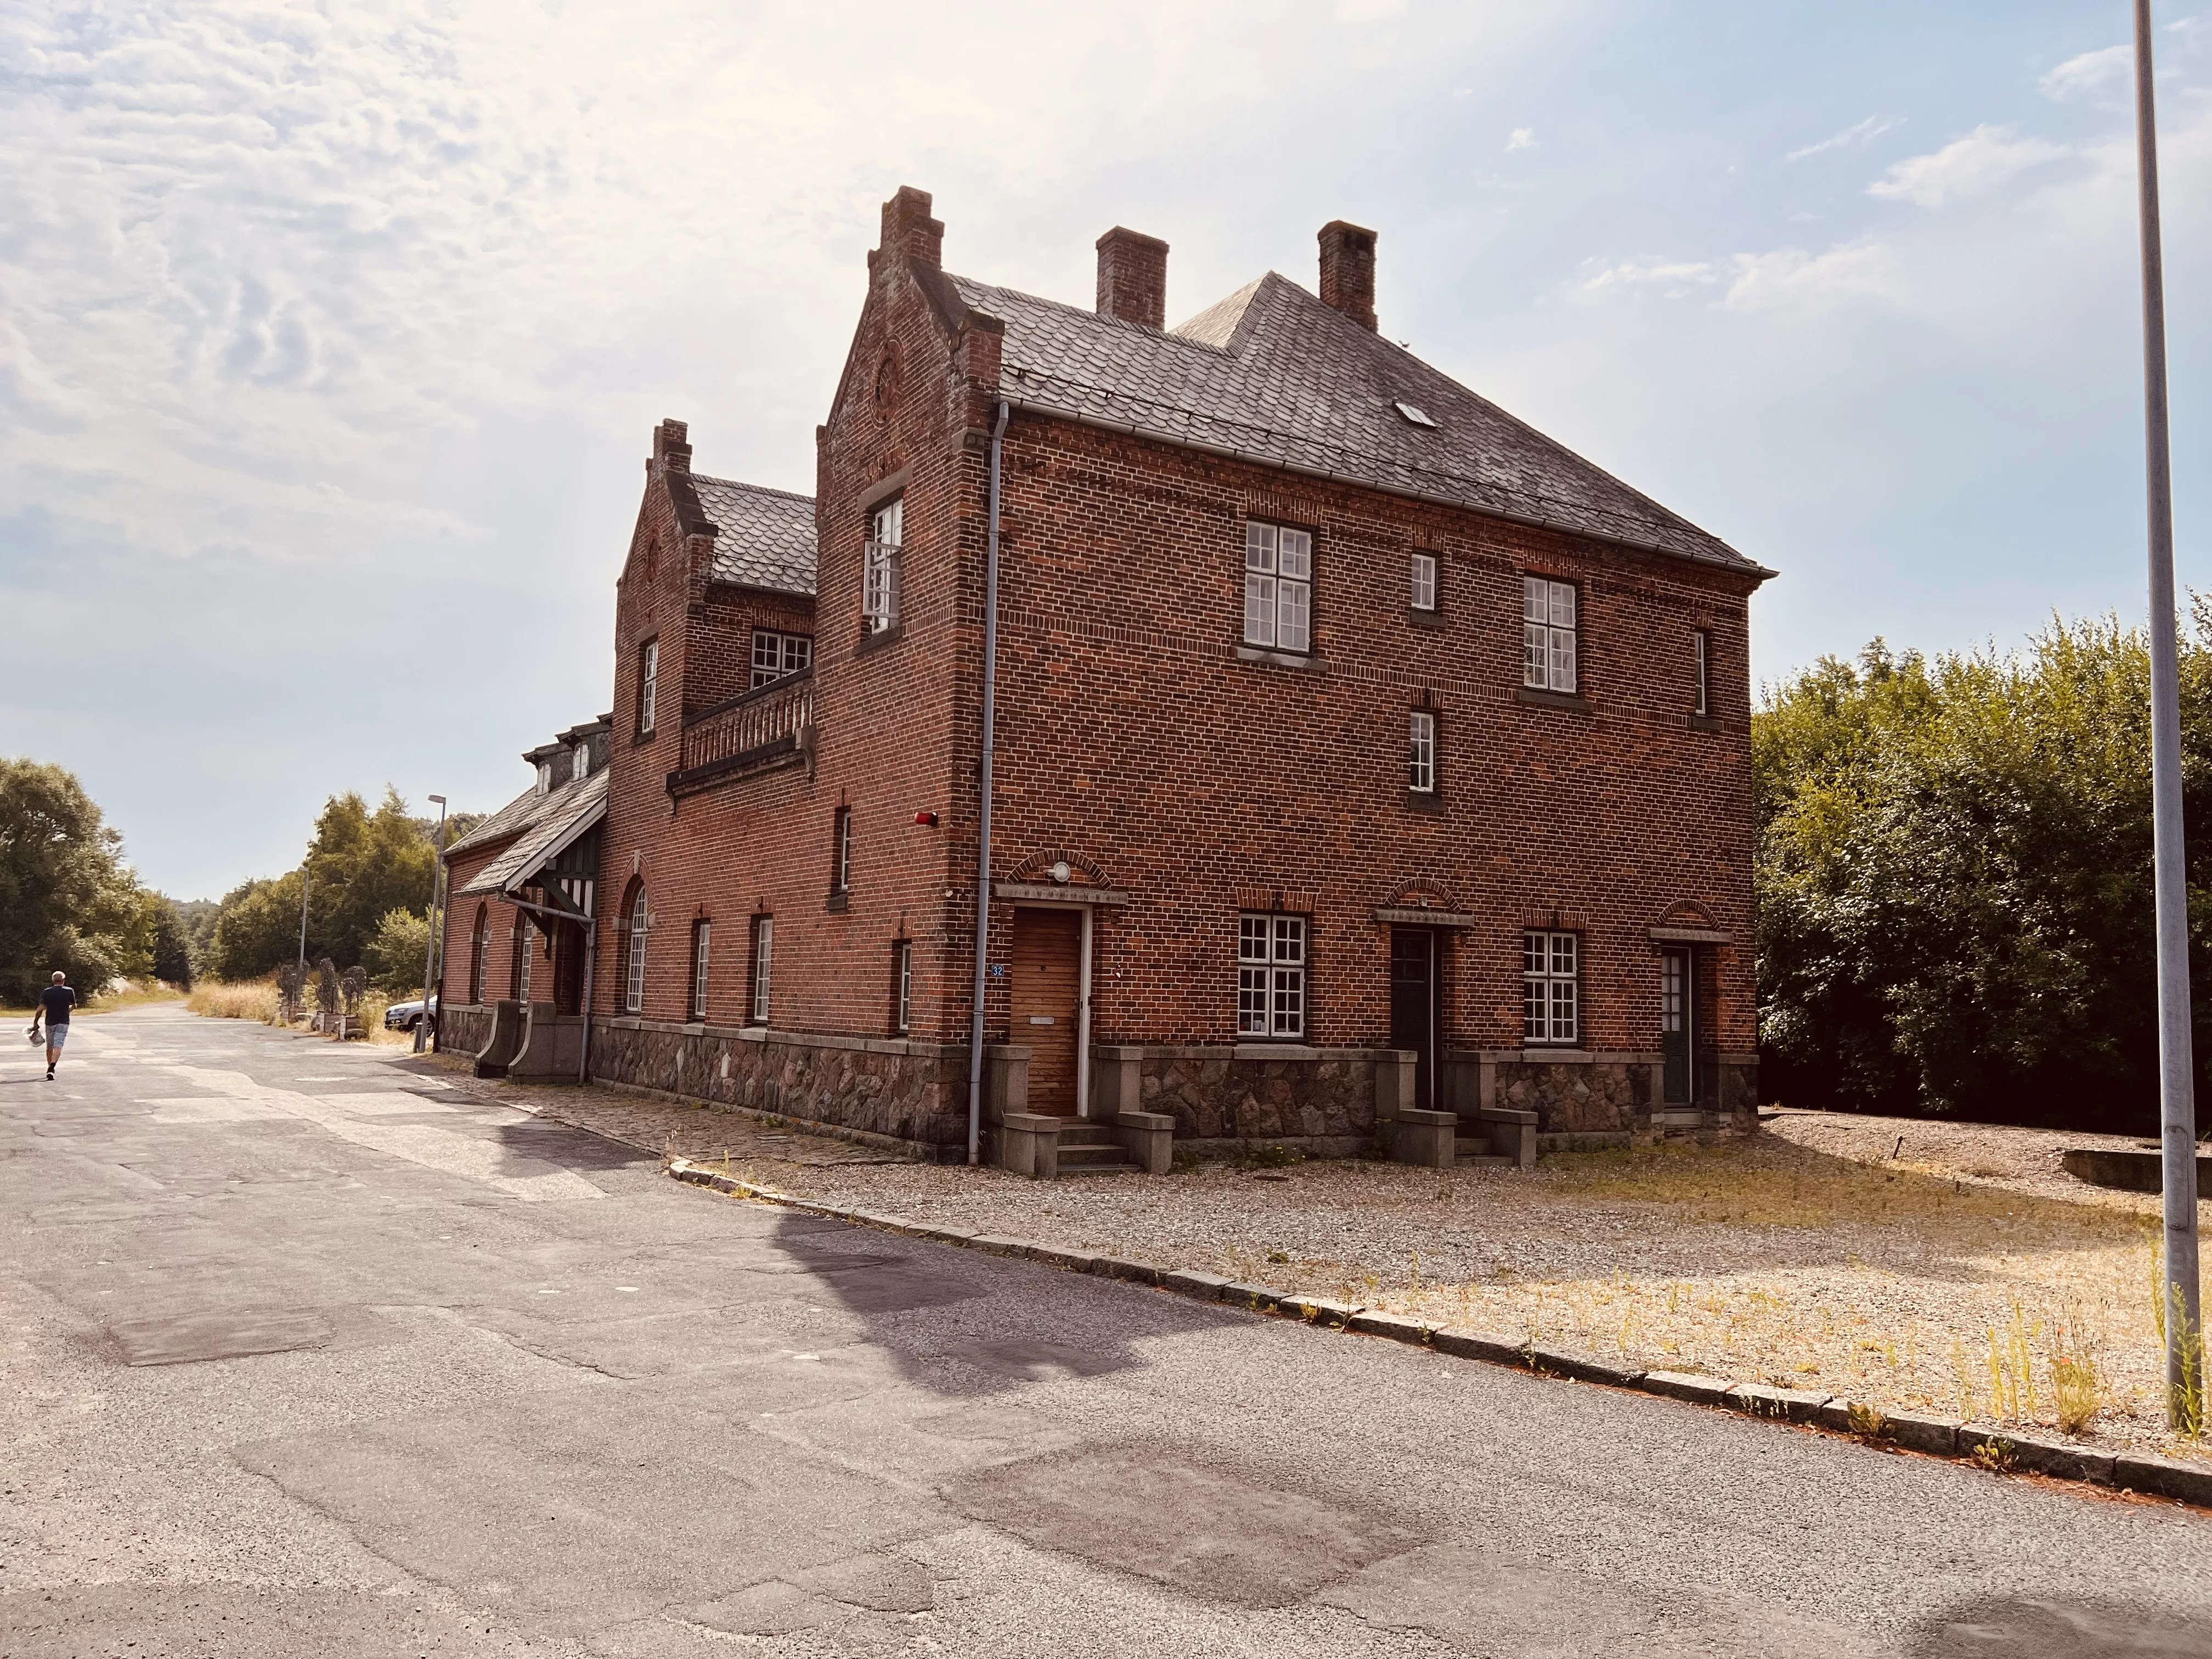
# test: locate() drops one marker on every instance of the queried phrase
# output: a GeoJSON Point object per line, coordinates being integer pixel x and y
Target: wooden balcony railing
{"type": "Point", "coordinates": [734, 736]}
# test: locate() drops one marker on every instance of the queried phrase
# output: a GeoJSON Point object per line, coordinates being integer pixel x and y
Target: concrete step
{"type": "Point", "coordinates": [1474, 1152]}
{"type": "Point", "coordinates": [1095, 1158]}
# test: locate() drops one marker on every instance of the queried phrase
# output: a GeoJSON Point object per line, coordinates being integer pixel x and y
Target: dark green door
{"type": "Point", "coordinates": [1414, 1008]}
{"type": "Point", "coordinates": [1677, 1019]}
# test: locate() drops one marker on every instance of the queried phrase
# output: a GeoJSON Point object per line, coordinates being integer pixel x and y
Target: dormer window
{"type": "Point", "coordinates": [580, 767]}
{"type": "Point", "coordinates": [544, 776]}
{"type": "Point", "coordinates": [879, 581]}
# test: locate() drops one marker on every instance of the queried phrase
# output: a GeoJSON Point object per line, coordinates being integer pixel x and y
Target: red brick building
{"type": "Point", "coordinates": [1361, 760]}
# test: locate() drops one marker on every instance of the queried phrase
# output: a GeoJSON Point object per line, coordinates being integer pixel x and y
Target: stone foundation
{"type": "Point", "coordinates": [915, 1093]}
{"type": "Point", "coordinates": [1318, 1100]}
{"type": "Point", "coordinates": [463, 1028]}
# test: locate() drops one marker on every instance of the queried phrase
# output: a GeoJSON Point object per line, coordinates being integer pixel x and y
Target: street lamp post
{"type": "Point", "coordinates": [2176, 1064]}
{"type": "Point", "coordinates": [306, 886]}
{"type": "Point", "coordinates": [430, 942]}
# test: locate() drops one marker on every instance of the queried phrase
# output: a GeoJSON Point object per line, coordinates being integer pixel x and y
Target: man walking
{"type": "Point", "coordinates": [54, 1004]}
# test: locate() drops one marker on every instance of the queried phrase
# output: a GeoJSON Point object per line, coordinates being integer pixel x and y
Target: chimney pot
{"type": "Point", "coordinates": [909, 231]}
{"type": "Point", "coordinates": [1348, 270]}
{"type": "Point", "coordinates": [1133, 277]}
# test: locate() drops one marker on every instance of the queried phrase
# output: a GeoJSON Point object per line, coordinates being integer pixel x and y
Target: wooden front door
{"type": "Point", "coordinates": [1046, 985]}
{"type": "Point", "coordinates": [1414, 1006]}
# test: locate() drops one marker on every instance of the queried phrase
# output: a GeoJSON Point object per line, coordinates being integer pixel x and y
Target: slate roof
{"type": "Point", "coordinates": [1273, 375]}
{"type": "Point", "coordinates": [766, 536]}
{"type": "Point", "coordinates": [560, 817]}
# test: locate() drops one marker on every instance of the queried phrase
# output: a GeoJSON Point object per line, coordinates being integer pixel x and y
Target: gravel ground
{"type": "Point", "coordinates": [1911, 1265]}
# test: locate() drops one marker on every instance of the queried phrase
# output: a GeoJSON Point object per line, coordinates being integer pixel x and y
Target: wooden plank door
{"type": "Point", "coordinates": [1047, 983]}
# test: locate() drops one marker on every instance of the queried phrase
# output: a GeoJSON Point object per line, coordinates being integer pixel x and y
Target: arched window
{"type": "Point", "coordinates": [633, 974]}
{"type": "Point", "coordinates": [479, 948]}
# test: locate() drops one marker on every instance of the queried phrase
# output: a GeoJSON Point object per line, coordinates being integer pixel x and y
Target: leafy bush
{"type": "Point", "coordinates": [395, 953]}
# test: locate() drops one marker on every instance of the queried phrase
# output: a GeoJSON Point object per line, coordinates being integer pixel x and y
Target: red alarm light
{"type": "Point", "coordinates": [927, 820]}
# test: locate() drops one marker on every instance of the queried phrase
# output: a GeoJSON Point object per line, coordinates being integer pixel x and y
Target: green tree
{"type": "Point", "coordinates": [1954, 883]}
{"type": "Point", "coordinates": [67, 900]}
{"type": "Point", "coordinates": [395, 952]}
{"type": "Point", "coordinates": [257, 929]}
{"type": "Point", "coordinates": [360, 866]}
{"type": "Point", "coordinates": [172, 946]}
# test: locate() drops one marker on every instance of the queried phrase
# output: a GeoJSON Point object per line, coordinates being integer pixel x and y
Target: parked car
{"type": "Point", "coordinates": [406, 1016]}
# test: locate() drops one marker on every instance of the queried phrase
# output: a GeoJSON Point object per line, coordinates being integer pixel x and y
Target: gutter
{"type": "Point", "coordinates": [983, 821]}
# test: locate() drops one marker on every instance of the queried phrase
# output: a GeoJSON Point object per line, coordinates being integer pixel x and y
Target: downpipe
{"type": "Point", "coordinates": [983, 818]}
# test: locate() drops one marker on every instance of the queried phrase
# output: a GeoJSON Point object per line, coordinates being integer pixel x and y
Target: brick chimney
{"type": "Point", "coordinates": [909, 231]}
{"type": "Point", "coordinates": [1348, 270]}
{"type": "Point", "coordinates": [1133, 277]}
{"type": "Point", "coordinates": [671, 453]}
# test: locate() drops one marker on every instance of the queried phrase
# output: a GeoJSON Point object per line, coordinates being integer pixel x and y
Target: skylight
{"type": "Point", "coordinates": [1417, 416]}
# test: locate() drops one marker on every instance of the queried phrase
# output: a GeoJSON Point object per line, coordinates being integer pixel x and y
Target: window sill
{"type": "Point", "coordinates": [1530, 697]}
{"type": "Point", "coordinates": [1706, 723]}
{"type": "Point", "coordinates": [1424, 801]}
{"type": "Point", "coordinates": [1270, 657]}
{"type": "Point", "coordinates": [1282, 1048]}
{"type": "Point", "coordinates": [837, 902]}
{"type": "Point", "coordinates": [880, 639]}
{"type": "Point", "coordinates": [642, 739]}
{"type": "Point", "coordinates": [1429, 619]}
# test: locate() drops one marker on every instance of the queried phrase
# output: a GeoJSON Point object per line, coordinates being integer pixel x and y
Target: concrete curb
{"type": "Point", "coordinates": [2000, 1448]}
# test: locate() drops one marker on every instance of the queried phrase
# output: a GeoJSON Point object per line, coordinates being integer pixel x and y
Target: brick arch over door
{"type": "Point", "coordinates": [1035, 866]}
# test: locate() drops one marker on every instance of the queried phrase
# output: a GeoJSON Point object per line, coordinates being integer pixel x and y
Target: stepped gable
{"type": "Point", "coordinates": [1273, 374]}
{"type": "Point", "coordinates": [765, 537]}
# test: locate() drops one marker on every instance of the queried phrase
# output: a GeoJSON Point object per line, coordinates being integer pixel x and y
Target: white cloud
{"type": "Point", "coordinates": [1872, 127]}
{"type": "Point", "coordinates": [1790, 279]}
{"type": "Point", "coordinates": [2091, 74]}
{"type": "Point", "coordinates": [1980, 161]}
{"type": "Point", "coordinates": [1523, 138]}
{"type": "Point", "coordinates": [1676, 276]}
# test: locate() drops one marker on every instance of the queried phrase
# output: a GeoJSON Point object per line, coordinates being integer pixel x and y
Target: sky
{"type": "Point", "coordinates": [333, 337]}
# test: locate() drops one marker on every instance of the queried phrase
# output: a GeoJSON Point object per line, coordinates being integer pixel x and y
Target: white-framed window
{"type": "Point", "coordinates": [1551, 987]}
{"type": "Point", "coordinates": [764, 959]}
{"type": "Point", "coordinates": [544, 777]}
{"type": "Point", "coordinates": [633, 969]}
{"type": "Point", "coordinates": [1547, 635]}
{"type": "Point", "coordinates": [879, 582]}
{"type": "Point", "coordinates": [479, 954]}
{"type": "Point", "coordinates": [1421, 753]}
{"type": "Point", "coordinates": [840, 853]}
{"type": "Point", "coordinates": [1271, 975]}
{"type": "Point", "coordinates": [1701, 650]}
{"type": "Point", "coordinates": [580, 764]}
{"type": "Point", "coordinates": [1423, 596]}
{"type": "Point", "coordinates": [703, 932]}
{"type": "Point", "coordinates": [648, 684]}
{"type": "Point", "coordinates": [901, 985]}
{"type": "Point", "coordinates": [1278, 587]}
{"type": "Point", "coordinates": [526, 941]}
{"type": "Point", "coordinates": [775, 655]}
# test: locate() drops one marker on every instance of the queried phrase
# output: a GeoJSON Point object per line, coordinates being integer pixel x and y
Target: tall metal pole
{"type": "Point", "coordinates": [430, 934]}
{"type": "Point", "coordinates": [2176, 1064]}
{"type": "Point", "coordinates": [306, 886]}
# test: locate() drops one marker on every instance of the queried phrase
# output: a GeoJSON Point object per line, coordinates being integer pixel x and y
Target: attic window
{"type": "Point", "coordinates": [1417, 417]}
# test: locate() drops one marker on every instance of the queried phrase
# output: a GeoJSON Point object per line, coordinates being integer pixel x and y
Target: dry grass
{"type": "Point", "coordinates": [134, 994]}
{"type": "Point", "coordinates": [257, 1000]}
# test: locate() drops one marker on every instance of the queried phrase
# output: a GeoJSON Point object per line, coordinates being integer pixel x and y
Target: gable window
{"type": "Point", "coordinates": [1547, 635]}
{"type": "Point", "coordinates": [879, 582]}
{"type": "Point", "coordinates": [648, 684]}
{"type": "Point", "coordinates": [1701, 654]}
{"type": "Point", "coordinates": [702, 934]}
{"type": "Point", "coordinates": [580, 767]}
{"type": "Point", "coordinates": [777, 654]}
{"type": "Point", "coordinates": [479, 953]}
{"type": "Point", "coordinates": [544, 776]}
{"type": "Point", "coordinates": [1278, 587]}
{"type": "Point", "coordinates": [633, 969]}
{"type": "Point", "coordinates": [901, 985]}
{"type": "Point", "coordinates": [1271, 977]}
{"type": "Point", "coordinates": [1551, 987]}
{"type": "Point", "coordinates": [1421, 757]}
{"type": "Point", "coordinates": [841, 852]}
{"type": "Point", "coordinates": [763, 956]}
{"type": "Point", "coordinates": [1423, 594]}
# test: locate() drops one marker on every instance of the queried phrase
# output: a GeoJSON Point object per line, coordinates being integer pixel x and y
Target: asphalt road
{"type": "Point", "coordinates": [302, 1351]}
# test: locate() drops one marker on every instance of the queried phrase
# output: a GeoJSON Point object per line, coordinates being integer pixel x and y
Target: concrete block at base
{"type": "Point", "coordinates": [1427, 1140]}
{"type": "Point", "coordinates": [1587, 1368]}
{"type": "Point", "coordinates": [997, 1245]}
{"type": "Point", "coordinates": [1207, 1287]}
{"type": "Point", "coordinates": [1114, 1266]}
{"type": "Point", "coordinates": [2167, 1477]}
{"type": "Point", "coordinates": [1479, 1345]}
{"type": "Point", "coordinates": [1053, 1256]}
{"type": "Point", "coordinates": [2062, 1460]}
{"type": "Point", "coordinates": [1789, 1405]}
{"type": "Point", "coordinates": [1147, 1137]}
{"type": "Point", "coordinates": [1511, 1133]}
{"type": "Point", "coordinates": [1396, 1327]}
{"type": "Point", "coordinates": [1686, 1385]}
{"type": "Point", "coordinates": [1029, 1145]}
